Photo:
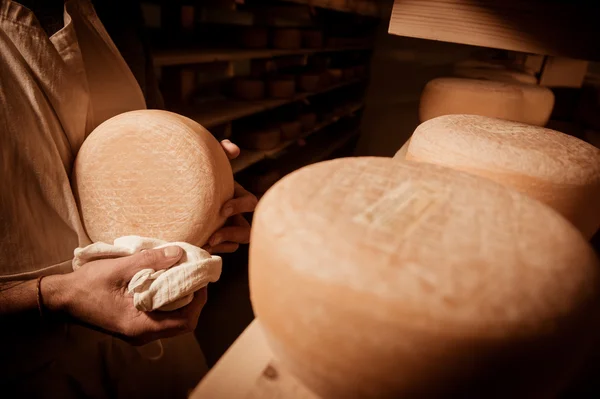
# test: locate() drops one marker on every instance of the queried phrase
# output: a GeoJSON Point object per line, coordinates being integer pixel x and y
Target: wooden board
{"type": "Point", "coordinates": [563, 72]}
{"type": "Point", "coordinates": [204, 56]}
{"type": "Point", "coordinates": [219, 112]}
{"type": "Point", "coordinates": [249, 370]}
{"type": "Point", "coordinates": [249, 157]}
{"type": "Point", "coordinates": [563, 28]}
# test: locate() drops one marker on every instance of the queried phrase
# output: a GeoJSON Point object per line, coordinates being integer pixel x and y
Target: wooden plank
{"type": "Point", "coordinates": [562, 28]}
{"type": "Point", "coordinates": [218, 112]}
{"type": "Point", "coordinates": [249, 370]}
{"type": "Point", "coordinates": [248, 158]}
{"type": "Point", "coordinates": [563, 72]}
{"type": "Point", "coordinates": [203, 56]}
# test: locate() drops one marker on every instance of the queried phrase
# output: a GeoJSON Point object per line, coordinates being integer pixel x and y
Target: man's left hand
{"type": "Point", "coordinates": [236, 230]}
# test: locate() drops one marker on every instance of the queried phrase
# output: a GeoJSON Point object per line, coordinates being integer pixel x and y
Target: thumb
{"type": "Point", "coordinates": [156, 259]}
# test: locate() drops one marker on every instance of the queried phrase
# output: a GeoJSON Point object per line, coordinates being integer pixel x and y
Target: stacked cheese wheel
{"type": "Point", "coordinates": [154, 174]}
{"type": "Point", "coordinates": [376, 278]}
{"type": "Point", "coordinates": [501, 75]}
{"type": "Point", "coordinates": [557, 169]}
{"type": "Point", "coordinates": [518, 102]}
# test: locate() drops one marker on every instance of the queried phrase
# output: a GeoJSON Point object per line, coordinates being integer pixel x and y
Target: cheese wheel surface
{"type": "Point", "coordinates": [552, 167]}
{"type": "Point", "coordinates": [154, 174]}
{"type": "Point", "coordinates": [518, 102]}
{"type": "Point", "coordinates": [378, 278]}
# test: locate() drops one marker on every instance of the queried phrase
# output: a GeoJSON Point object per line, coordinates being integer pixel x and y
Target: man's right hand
{"type": "Point", "coordinates": [97, 294]}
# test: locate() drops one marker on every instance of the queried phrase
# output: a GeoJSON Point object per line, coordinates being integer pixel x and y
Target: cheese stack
{"type": "Point", "coordinates": [154, 174]}
{"type": "Point", "coordinates": [501, 75]}
{"type": "Point", "coordinates": [381, 279]}
{"type": "Point", "coordinates": [518, 102]}
{"type": "Point", "coordinates": [557, 169]}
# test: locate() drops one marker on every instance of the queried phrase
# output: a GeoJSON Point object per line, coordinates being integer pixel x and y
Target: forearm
{"type": "Point", "coordinates": [22, 296]}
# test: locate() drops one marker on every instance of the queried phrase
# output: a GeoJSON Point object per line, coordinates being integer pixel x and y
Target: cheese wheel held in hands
{"type": "Point", "coordinates": [375, 278]}
{"type": "Point", "coordinates": [552, 167]}
{"type": "Point", "coordinates": [518, 102]}
{"type": "Point", "coordinates": [154, 174]}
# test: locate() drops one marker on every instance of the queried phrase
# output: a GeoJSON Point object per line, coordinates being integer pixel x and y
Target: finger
{"type": "Point", "coordinates": [231, 149]}
{"type": "Point", "coordinates": [225, 248]}
{"type": "Point", "coordinates": [240, 235]}
{"type": "Point", "coordinates": [178, 321]}
{"type": "Point", "coordinates": [156, 259]}
{"type": "Point", "coordinates": [242, 202]}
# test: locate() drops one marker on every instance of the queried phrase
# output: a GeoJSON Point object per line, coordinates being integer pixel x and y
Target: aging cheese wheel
{"type": "Point", "coordinates": [557, 169]}
{"type": "Point", "coordinates": [282, 87]}
{"type": "Point", "coordinates": [518, 102]}
{"type": "Point", "coordinates": [260, 139]}
{"type": "Point", "coordinates": [335, 75]}
{"type": "Point", "coordinates": [309, 81]}
{"type": "Point", "coordinates": [377, 278]}
{"type": "Point", "coordinates": [312, 38]}
{"type": "Point", "coordinates": [154, 174]}
{"type": "Point", "coordinates": [291, 130]}
{"type": "Point", "coordinates": [249, 89]}
{"type": "Point", "coordinates": [501, 75]}
{"type": "Point", "coordinates": [287, 38]}
{"type": "Point", "coordinates": [255, 37]}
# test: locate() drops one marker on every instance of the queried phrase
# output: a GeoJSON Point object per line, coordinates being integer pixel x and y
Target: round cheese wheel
{"type": "Point", "coordinates": [335, 75]}
{"type": "Point", "coordinates": [255, 37]}
{"type": "Point", "coordinates": [309, 81]}
{"type": "Point", "coordinates": [377, 278]}
{"type": "Point", "coordinates": [287, 38]}
{"type": "Point", "coordinates": [282, 87]}
{"type": "Point", "coordinates": [249, 89]}
{"type": "Point", "coordinates": [154, 174]}
{"type": "Point", "coordinates": [291, 130]}
{"type": "Point", "coordinates": [260, 139]}
{"type": "Point", "coordinates": [501, 75]}
{"type": "Point", "coordinates": [557, 169]}
{"type": "Point", "coordinates": [511, 101]}
{"type": "Point", "coordinates": [312, 38]}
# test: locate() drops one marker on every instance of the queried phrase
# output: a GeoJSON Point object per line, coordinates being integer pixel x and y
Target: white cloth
{"type": "Point", "coordinates": [167, 289]}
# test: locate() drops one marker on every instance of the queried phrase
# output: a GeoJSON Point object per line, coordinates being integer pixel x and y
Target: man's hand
{"type": "Point", "coordinates": [97, 295]}
{"type": "Point", "coordinates": [237, 229]}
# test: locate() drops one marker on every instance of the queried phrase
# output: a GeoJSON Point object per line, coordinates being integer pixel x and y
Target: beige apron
{"type": "Point", "coordinates": [53, 93]}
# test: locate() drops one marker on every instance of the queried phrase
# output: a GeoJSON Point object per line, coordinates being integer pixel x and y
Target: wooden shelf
{"type": "Point", "coordinates": [362, 7]}
{"type": "Point", "coordinates": [249, 157]}
{"type": "Point", "coordinates": [249, 370]}
{"type": "Point", "coordinates": [333, 146]}
{"type": "Point", "coordinates": [561, 28]}
{"type": "Point", "coordinates": [184, 57]}
{"type": "Point", "coordinates": [219, 112]}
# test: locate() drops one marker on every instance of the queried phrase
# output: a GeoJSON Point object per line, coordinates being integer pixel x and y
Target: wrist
{"type": "Point", "coordinates": [55, 293]}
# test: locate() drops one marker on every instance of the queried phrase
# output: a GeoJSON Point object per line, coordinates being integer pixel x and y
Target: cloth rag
{"type": "Point", "coordinates": [167, 289]}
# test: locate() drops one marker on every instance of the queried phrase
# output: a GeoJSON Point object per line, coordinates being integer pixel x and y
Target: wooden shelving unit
{"type": "Point", "coordinates": [202, 56]}
{"type": "Point", "coordinates": [219, 112]}
{"type": "Point", "coordinates": [248, 157]}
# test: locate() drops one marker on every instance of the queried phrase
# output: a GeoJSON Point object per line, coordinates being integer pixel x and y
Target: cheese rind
{"type": "Point", "coordinates": [153, 174]}
{"type": "Point", "coordinates": [379, 278]}
{"type": "Point", "coordinates": [518, 102]}
{"type": "Point", "coordinates": [552, 167]}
